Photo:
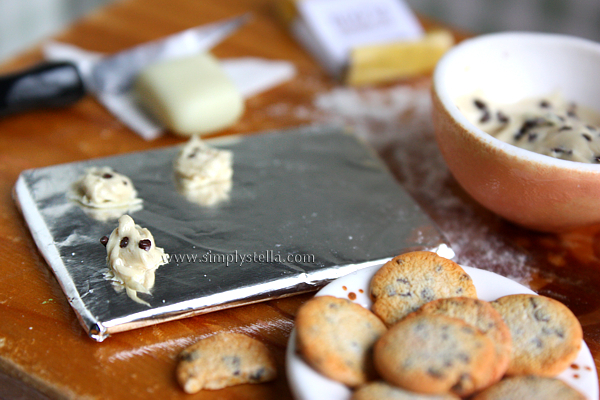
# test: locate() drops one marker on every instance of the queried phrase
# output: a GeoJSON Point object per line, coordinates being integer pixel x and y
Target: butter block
{"type": "Point", "coordinates": [191, 95]}
{"type": "Point", "coordinates": [375, 64]}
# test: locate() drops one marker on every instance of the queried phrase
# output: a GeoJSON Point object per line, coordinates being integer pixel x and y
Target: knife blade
{"type": "Point", "coordinates": [61, 83]}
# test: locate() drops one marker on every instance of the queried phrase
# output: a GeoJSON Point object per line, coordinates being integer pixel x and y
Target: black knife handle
{"type": "Point", "coordinates": [52, 84]}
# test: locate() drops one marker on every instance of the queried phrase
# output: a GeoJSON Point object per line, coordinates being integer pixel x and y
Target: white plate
{"type": "Point", "coordinates": [308, 384]}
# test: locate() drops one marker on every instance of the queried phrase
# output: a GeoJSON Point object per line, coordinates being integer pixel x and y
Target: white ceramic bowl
{"type": "Point", "coordinates": [530, 189]}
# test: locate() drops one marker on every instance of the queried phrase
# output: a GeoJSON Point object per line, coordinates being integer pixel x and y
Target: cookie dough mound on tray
{"type": "Point", "coordinates": [410, 280]}
{"type": "Point", "coordinates": [336, 337]}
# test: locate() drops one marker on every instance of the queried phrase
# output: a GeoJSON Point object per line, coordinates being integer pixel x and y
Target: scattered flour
{"type": "Point", "coordinates": [397, 121]}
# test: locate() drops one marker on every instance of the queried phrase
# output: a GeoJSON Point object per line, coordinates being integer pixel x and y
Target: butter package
{"type": "Point", "coordinates": [364, 41]}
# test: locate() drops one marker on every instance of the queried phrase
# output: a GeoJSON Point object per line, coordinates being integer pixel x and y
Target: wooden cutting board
{"type": "Point", "coordinates": [44, 352]}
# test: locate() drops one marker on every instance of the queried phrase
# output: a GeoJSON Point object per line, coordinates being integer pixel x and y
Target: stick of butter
{"type": "Point", "coordinates": [191, 95]}
{"type": "Point", "coordinates": [379, 63]}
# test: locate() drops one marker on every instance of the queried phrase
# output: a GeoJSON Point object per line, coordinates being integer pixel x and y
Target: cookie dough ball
{"type": "Point", "coordinates": [105, 188]}
{"type": "Point", "coordinates": [199, 165]}
{"type": "Point", "coordinates": [133, 257]}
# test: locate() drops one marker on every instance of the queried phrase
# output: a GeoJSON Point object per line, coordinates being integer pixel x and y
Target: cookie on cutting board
{"type": "Point", "coordinates": [222, 360]}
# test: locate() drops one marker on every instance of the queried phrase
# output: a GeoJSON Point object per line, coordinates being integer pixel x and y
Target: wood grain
{"type": "Point", "coordinates": [44, 352]}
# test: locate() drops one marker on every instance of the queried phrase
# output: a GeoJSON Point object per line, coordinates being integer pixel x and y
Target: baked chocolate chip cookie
{"type": "Point", "coordinates": [410, 280]}
{"type": "Point", "coordinates": [336, 337]}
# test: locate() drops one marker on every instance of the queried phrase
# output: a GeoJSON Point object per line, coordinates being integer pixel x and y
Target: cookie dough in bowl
{"type": "Point", "coordinates": [530, 189]}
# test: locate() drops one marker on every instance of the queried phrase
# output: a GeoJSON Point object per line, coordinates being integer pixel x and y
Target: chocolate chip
{"type": "Point", "coordinates": [527, 125]}
{"type": "Point", "coordinates": [107, 176]}
{"type": "Point", "coordinates": [125, 182]}
{"type": "Point", "coordinates": [104, 240]}
{"type": "Point", "coordinates": [597, 159]}
{"type": "Point", "coordinates": [586, 137]}
{"type": "Point", "coordinates": [531, 137]}
{"type": "Point", "coordinates": [463, 357]}
{"type": "Point", "coordinates": [145, 244]}
{"type": "Point", "coordinates": [519, 135]}
{"type": "Point", "coordinates": [565, 128]}
{"type": "Point", "coordinates": [541, 315]}
{"type": "Point", "coordinates": [502, 117]}
{"type": "Point", "coordinates": [480, 104]}
{"type": "Point", "coordinates": [258, 374]}
{"type": "Point", "coordinates": [435, 373]}
{"type": "Point", "coordinates": [232, 362]}
{"type": "Point", "coordinates": [468, 330]}
{"type": "Point", "coordinates": [427, 294]}
{"type": "Point", "coordinates": [559, 150]}
{"type": "Point", "coordinates": [544, 104]}
{"type": "Point", "coordinates": [189, 356]}
{"type": "Point", "coordinates": [485, 117]}
{"type": "Point", "coordinates": [459, 386]}
{"type": "Point", "coordinates": [533, 302]}
{"type": "Point", "coordinates": [124, 242]}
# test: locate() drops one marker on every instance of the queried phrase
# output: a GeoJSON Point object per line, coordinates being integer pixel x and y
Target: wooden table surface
{"type": "Point", "coordinates": [44, 352]}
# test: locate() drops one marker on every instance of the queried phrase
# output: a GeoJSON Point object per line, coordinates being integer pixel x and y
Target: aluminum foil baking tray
{"type": "Point", "coordinates": [307, 206]}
